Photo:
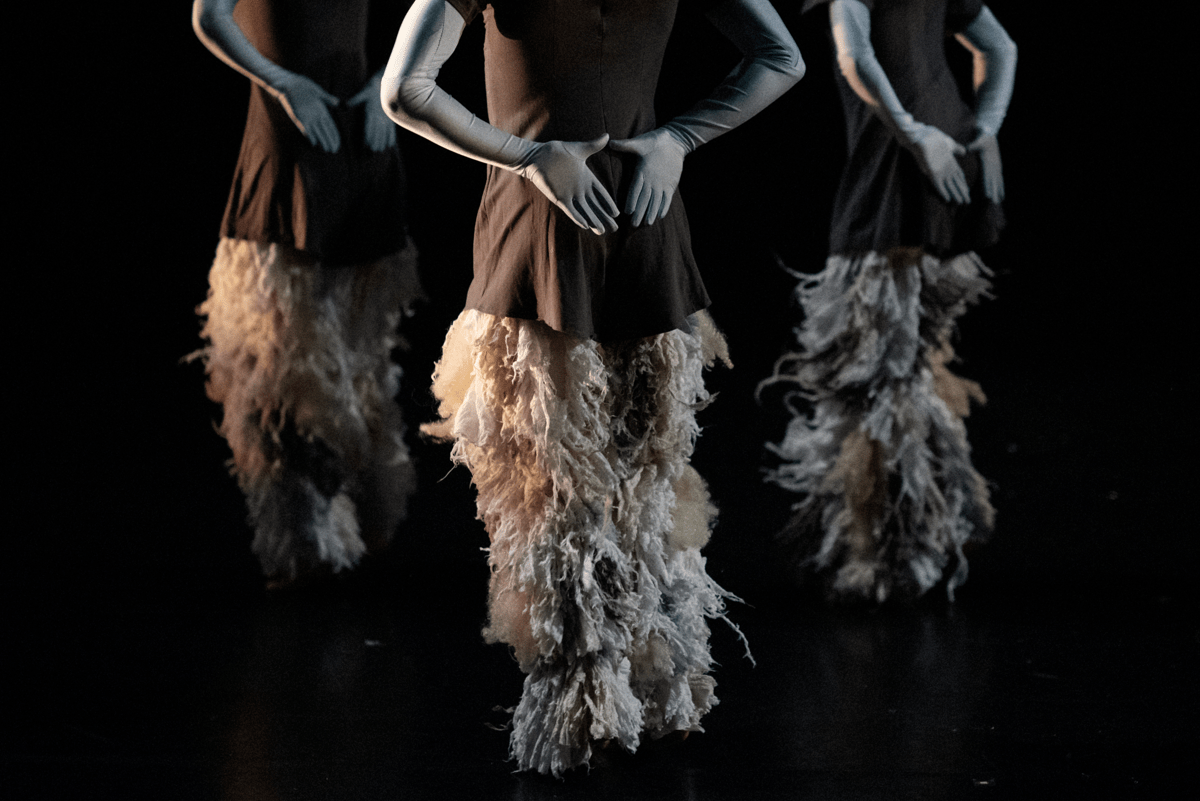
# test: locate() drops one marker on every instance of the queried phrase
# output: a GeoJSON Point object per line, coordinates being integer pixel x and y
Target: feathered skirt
{"type": "Point", "coordinates": [877, 447]}
{"type": "Point", "coordinates": [299, 357]}
{"type": "Point", "coordinates": [579, 452]}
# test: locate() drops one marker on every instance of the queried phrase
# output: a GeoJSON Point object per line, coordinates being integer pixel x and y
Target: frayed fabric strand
{"type": "Point", "coordinates": [579, 452]}
{"type": "Point", "coordinates": [877, 447]}
{"type": "Point", "coordinates": [299, 356]}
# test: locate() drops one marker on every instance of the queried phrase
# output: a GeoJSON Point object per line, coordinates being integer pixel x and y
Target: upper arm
{"type": "Point", "coordinates": [987, 35]}
{"type": "Point", "coordinates": [755, 28]}
{"type": "Point", "coordinates": [428, 36]}
{"type": "Point", "coordinates": [207, 14]}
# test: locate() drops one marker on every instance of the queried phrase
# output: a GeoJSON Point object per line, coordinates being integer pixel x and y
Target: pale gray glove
{"type": "Point", "coordinates": [306, 103]}
{"type": "Point", "coordinates": [989, 159]}
{"type": "Point", "coordinates": [379, 131]}
{"type": "Point", "coordinates": [771, 65]}
{"type": "Point", "coordinates": [657, 174]}
{"type": "Point", "coordinates": [412, 98]}
{"type": "Point", "coordinates": [936, 151]}
{"type": "Point", "coordinates": [996, 60]}
{"type": "Point", "coordinates": [933, 148]}
{"type": "Point", "coordinates": [560, 171]}
{"type": "Point", "coordinates": [990, 43]}
{"type": "Point", "coordinates": [308, 106]}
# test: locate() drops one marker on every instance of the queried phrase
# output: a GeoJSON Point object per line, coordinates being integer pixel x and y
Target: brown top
{"type": "Point", "coordinates": [573, 70]}
{"type": "Point", "coordinates": [344, 207]}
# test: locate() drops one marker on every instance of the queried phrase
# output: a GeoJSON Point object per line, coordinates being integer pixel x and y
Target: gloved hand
{"type": "Point", "coordinates": [380, 132]}
{"type": "Point", "coordinates": [308, 106]}
{"type": "Point", "coordinates": [935, 152]}
{"type": "Point", "coordinates": [660, 165]}
{"type": "Point", "coordinates": [560, 171]}
{"type": "Point", "coordinates": [989, 156]}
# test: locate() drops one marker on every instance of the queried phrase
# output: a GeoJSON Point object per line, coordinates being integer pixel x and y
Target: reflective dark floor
{"type": "Point", "coordinates": [153, 665]}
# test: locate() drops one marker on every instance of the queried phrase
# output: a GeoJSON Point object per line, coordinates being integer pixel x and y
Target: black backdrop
{"type": "Point", "coordinates": [129, 148]}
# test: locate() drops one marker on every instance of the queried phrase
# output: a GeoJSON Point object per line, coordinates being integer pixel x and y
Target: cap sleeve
{"type": "Point", "coordinates": [469, 9]}
{"type": "Point", "coordinates": [961, 13]}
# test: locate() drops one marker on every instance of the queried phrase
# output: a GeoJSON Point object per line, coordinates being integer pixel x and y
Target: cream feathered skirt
{"type": "Point", "coordinates": [877, 447]}
{"type": "Point", "coordinates": [299, 356]}
{"type": "Point", "coordinates": [579, 453]}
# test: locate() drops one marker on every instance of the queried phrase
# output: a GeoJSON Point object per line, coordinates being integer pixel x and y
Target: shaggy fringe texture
{"type": "Point", "coordinates": [579, 452]}
{"type": "Point", "coordinates": [877, 444]}
{"type": "Point", "coordinates": [299, 356]}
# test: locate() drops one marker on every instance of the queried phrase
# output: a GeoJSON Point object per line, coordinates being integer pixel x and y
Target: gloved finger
{"type": "Point", "coordinates": [637, 205]}
{"type": "Point", "coordinates": [995, 187]}
{"type": "Point", "coordinates": [579, 213]}
{"type": "Point", "coordinates": [943, 189]}
{"type": "Point", "coordinates": [959, 188]}
{"type": "Point", "coordinates": [582, 150]}
{"type": "Point", "coordinates": [629, 146]}
{"type": "Point", "coordinates": [666, 204]}
{"type": "Point", "coordinates": [593, 200]}
{"type": "Point", "coordinates": [634, 194]}
{"type": "Point", "coordinates": [653, 207]}
{"type": "Point", "coordinates": [607, 222]}
{"type": "Point", "coordinates": [609, 205]}
{"type": "Point", "coordinates": [333, 139]}
{"type": "Point", "coordinates": [327, 98]}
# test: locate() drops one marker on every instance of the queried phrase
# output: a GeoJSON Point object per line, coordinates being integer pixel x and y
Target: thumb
{"type": "Point", "coordinates": [328, 98]}
{"type": "Point", "coordinates": [625, 145]}
{"type": "Point", "coordinates": [585, 149]}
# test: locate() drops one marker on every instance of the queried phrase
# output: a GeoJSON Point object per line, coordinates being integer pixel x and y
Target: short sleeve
{"type": "Point", "coordinates": [469, 9]}
{"type": "Point", "coordinates": [961, 13]}
{"type": "Point", "coordinates": [809, 5]}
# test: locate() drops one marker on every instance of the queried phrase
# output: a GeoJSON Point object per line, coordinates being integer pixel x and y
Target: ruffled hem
{"type": "Point", "coordinates": [877, 446]}
{"type": "Point", "coordinates": [579, 453]}
{"type": "Point", "coordinates": [300, 358]}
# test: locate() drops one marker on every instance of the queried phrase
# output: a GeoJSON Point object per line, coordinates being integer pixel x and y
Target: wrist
{"type": "Point", "coordinates": [681, 136]}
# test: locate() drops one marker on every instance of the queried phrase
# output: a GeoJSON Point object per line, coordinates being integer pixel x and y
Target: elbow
{"type": "Point", "coordinates": [1002, 51]}
{"type": "Point", "coordinates": [795, 64]}
{"type": "Point", "coordinates": [204, 20]}
{"type": "Point", "coordinates": [405, 100]}
{"type": "Point", "coordinates": [848, 67]}
{"type": "Point", "coordinates": [783, 59]}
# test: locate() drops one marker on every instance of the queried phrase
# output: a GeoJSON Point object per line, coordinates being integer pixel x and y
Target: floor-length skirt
{"type": "Point", "coordinates": [876, 447]}
{"type": "Point", "coordinates": [579, 453]}
{"type": "Point", "coordinates": [299, 356]}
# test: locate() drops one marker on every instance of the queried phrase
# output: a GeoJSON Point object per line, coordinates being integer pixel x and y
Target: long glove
{"type": "Point", "coordinates": [990, 43]}
{"type": "Point", "coordinates": [379, 132]}
{"type": "Point", "coordinates": [770, 66]}
{"type": "Point", "coordinates": [305, 102]}
{"type": "Point", "coordinates": [411, 96]}
{"type": "Point", "coordinates": [934, 149]}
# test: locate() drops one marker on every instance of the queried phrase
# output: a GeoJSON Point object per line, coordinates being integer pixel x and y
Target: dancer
{"type": "Point", "coordinates": [313, 271]}
{"type": "Point", "coordinates": [570, 383]}
{"type": "Point", "coordinates": [879, 450]}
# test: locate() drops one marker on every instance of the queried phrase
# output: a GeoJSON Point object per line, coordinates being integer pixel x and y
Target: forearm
{"type": "Point", "coordinates": [412, 98]}
{"type": "Point", "coordinates": [214, 25]}
{"type": "Point", "coordinates": [771, 65]}
{"type": "Point", "coordinates": [988, 40]}
{"type": "Point", "coordinates": [851, 22]}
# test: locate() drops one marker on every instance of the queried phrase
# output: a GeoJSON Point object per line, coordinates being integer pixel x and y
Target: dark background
{"type": "Point", "coordinates": [138, 622]}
